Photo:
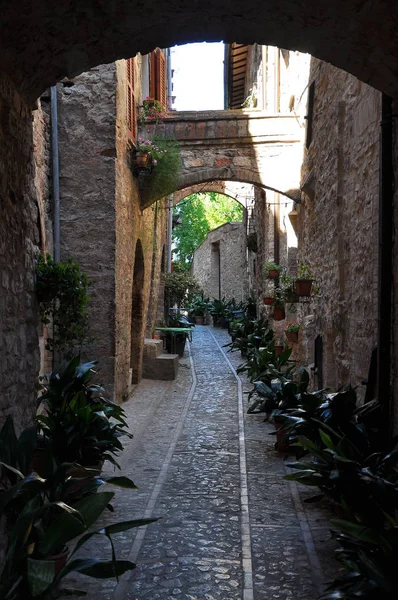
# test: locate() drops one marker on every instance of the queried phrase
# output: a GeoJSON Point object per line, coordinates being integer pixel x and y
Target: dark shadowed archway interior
{"type": "Point", "coordinates": [42, 42]}
{"type": "Point", "coordinates": [137, 313]}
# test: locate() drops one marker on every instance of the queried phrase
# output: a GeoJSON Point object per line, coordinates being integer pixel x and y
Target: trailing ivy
{"type": "Point", "coordinates": [62, 292]}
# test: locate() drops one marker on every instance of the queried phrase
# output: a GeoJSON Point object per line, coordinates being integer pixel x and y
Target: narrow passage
{"type": "Point", "coordinates": [230, 527]}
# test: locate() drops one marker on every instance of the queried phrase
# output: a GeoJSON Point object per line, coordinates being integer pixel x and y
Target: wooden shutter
{"type": "Point", "coordinates": [131, 106]}
{"type": "Point", "coordinates": [158, 76]}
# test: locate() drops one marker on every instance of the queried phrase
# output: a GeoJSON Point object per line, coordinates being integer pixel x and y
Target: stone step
{"type": "Point", "coordinates": [163, 367]}
{"type": "Point", "coordinates": [152, 348]}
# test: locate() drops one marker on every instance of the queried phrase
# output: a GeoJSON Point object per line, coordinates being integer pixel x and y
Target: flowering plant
{"type": "Point", "coordinates": [153, 111]}
{"type": "Point", "coordinates": [152, 148]}
{"type": "Point", "coordinates": [293, 327]}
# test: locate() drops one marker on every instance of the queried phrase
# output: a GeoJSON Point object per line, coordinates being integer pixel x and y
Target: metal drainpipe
{"type": "Point", "coordinates": [385, 265]}
{"type": "Point", "coordinates": [169, 233]}
{"type": "Point", "coordinates": [55, 169]}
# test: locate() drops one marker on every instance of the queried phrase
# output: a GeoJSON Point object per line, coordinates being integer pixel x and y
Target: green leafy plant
{"type": "Point", "coordinates": [199, 306]}
{"type": "Point", "coordinates": [79, 425]}
{"type": "Point", "coordinates": [293, 327]}
{"type": "Point", "coordinates": [180, 287]}
{"type": "Point", "coordinates": [200, 213]}
{"type": "Point", "coordinates": [304, 272]}
{"type": "Point", "coordinates": [271, 266]}
{"type": "Point", "coordinates": [41, 528]}
{"type": "Point", "coordinates": [163, 179]}
{"type": "Point", "coordinates": [62, 292]}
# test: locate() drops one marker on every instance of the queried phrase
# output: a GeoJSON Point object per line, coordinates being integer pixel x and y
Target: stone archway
{"type": "Point", "coordinates": [137, 314]}
{"type": "Point", "coordinates": [42, 42]}
{"type": "Point", "coordinates": [235, 145]}
{"type": "Point", "coordinates": [233, 189]}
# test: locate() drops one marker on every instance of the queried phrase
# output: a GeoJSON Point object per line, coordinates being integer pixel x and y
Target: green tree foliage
{"type": "Point", "coordinates": [201, 213]}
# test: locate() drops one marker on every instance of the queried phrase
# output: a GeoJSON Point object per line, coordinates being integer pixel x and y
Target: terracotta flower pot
{"type": "Point", "coordinates": [143, 162]}
{"type": "Point", "coordinates": [278, 349]}
{"type": "Point", "coordinates": [303, 287]}
{"type": "Point", "coordinates": [292, 336]}
{"type": "Point", "coordinates": [199, 319]}
{"type": "Point", "coordinates": [279, 313]}
{"type": "Point", "coordinates": [268, 301]}
{"type": "Point", "coordinates": [273, 274]}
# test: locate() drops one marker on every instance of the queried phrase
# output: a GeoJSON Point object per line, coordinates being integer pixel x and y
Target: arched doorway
{"type": "Point", "coordinates": [137, 314]}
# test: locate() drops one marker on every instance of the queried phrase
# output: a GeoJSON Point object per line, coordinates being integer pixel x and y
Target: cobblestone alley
{"type": "Point", "coordinates": [230, 527]}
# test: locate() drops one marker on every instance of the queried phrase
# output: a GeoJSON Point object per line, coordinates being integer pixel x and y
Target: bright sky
{"type": "Point", "coordinates": [198, 81]}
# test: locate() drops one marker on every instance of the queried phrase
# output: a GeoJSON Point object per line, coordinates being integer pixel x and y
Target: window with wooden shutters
{"type": "Point", "coordinates": [158, 76]}
{"type": "Point", "coordinates": [131, 106]}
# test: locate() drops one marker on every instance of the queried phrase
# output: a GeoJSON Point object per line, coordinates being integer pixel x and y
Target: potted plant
{"type": "Point", "coordinates": [218, 311]}
{"type": "Point", "coordinates": [269, 294]}
{"type": "Point", "coordinates": [180, 288]}
{"type": "Point", "coordinates": [40, 524]}
{"type": "Point", "coordinates": [271, 270]}
{"type": "Point", "coordinates": [278, 348]}
{"type": "Point", "coordinates": [279, 306]}
{"type": "Point", "coordinates": [287, 284]}
{"type": "Point", "coordinates": [163, 178]}
{"type": "Point", "coordinates": [304, 281]}
{"type": "Point", "coordinates": [199, 307]}
{"type": "Point", "coordinates": [79, 425]}
{"type": "Point", "coordinates": [291, 331]}
{"type": "Point", "coordinates": [62, 293]}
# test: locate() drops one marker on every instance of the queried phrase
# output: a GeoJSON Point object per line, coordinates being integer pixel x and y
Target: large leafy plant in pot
{"type": "Point", "coordinates": [40, 524]}
{"type": "Point", "coordinates": [79, 424]}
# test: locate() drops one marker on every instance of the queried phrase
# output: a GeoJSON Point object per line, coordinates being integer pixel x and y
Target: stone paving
{"type": "Point", "coordinates": [230, 527]}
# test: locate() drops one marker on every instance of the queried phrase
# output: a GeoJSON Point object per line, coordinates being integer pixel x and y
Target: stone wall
{"type": "Point", "coordinates": [86, 109]}
{"type": "Point", "coordinates": [19, 245]}
{"type": "Point", "coordinates": [102, 219]}
{"type": "Point", "coordinates": [338, 223]}
{"type": "Point", "coordinates": [231, 279]}
{"type": "Point", "coordinates": [133, 224]}
{"type": "Point", "coordinates": [43, 165]}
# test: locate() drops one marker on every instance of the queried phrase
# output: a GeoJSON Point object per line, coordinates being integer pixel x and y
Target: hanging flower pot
{"type": "Point", "coordinates": [273, 274]}
{"type": "Point", "coordinates": [268, 300]}
{"type": "Point", "coordinates": [143, 161]}
{"type": "Point", "coordinates": [292, 336]}
{"type": "Point", "coordinates": [303, 287]}
{"type": "Point", "coordinates": [279, 313]}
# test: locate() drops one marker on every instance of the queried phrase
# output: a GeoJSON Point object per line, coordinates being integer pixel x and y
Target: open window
{"type": "Point", "coordinates": [158, 76]}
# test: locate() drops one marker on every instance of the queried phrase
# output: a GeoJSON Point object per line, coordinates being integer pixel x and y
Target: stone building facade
{"type": "Point", "coordinates": [336, 217]}
{"type": "Point", "coordinates": [220, 263]}
{"type": "Point", "coordinates": [337, 226]}
{"type": "Point", "coordinates": [103, 225]}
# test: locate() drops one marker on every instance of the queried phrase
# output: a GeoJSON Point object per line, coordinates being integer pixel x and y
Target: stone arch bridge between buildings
{"type": "Point", "coordinates": [233, 145]}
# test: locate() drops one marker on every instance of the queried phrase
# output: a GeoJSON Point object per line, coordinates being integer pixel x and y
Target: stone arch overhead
{"type": "Point", "coordinates": [219, 187]}
{"type": "Point", "coordinates": [194, 182]}
{"type": "Point", "coordinates": [191, 180]}
{"type": "Point", "coordinates": [42, 41]}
